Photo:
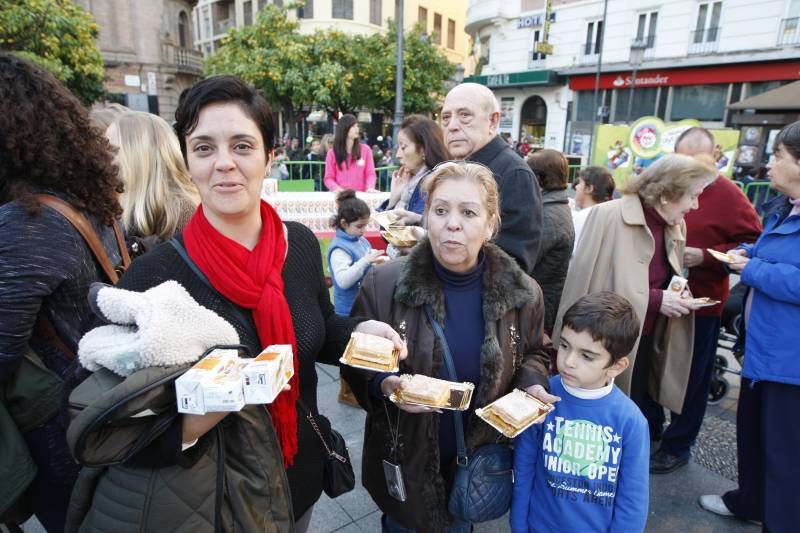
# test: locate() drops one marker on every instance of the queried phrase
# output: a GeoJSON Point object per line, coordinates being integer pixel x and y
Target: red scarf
{"type": "Point", "coordinates": [252, 279]}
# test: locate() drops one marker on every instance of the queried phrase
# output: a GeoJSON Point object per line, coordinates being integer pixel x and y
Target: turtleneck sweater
{"type": "Point", "coordinates": [658, 270]}
{"type": "Point", "coordinates": [464, 330]}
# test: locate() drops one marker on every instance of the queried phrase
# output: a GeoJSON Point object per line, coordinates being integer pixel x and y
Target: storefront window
{"type": "Point", "coordinates": [701, 102]}
{"type": "Point", "coordinates": [644, 104]}
{"type": "Point", "coordinates": [585, 110]}
{"type": "Point", "coordinates": [764, 86]}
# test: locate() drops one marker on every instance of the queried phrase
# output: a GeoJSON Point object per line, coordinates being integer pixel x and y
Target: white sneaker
{"type": "Point", "coordinates": [713, 503]}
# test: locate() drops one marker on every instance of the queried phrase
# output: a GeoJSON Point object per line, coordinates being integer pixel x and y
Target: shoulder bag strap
{"type": "Point", "coordinates": [246, 324]}
{"type": "Point", "coordinates": [84, 227]}
{"type": "Point", "coordinates": [461, 446]}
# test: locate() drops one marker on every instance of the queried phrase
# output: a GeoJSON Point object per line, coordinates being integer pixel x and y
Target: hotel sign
{"type": "Point", "coordinates": [531, 21]}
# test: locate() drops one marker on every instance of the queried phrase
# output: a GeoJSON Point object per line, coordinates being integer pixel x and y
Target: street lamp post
{"type": "Point", "coordinates": [638, 48]}
{"type": "Point", "coordinates": [398, 98]}
{"type": "Point", "coordinates": [596, 94]}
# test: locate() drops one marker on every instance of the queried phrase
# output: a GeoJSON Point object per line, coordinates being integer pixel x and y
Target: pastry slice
{"type": "Point", "coordinates": [516, 409]}
{"type": "Point", "coordinates": [426, 390]}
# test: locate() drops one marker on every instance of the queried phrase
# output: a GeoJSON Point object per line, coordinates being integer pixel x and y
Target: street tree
{"type": "Point", "coordinates": [59, 36]}
{"type": "Point", "coordinates": [330, 69]}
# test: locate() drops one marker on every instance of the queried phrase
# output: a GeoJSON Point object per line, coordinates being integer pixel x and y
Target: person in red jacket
{"type": "Point", "coordinates": [724, 220]}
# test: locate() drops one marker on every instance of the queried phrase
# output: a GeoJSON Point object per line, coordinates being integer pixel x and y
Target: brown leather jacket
{"type": "Point", "coordinates": [511, 356]}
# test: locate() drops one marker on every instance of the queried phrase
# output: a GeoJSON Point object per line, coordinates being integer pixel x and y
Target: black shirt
{"type": "Point", "coordinates": [520, 202]}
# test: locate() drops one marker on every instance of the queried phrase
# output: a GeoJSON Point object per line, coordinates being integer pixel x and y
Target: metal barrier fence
{"type": "Point", "coordinates": [315, 170]}
{"type": "Point", "coordinates": [759, 193]}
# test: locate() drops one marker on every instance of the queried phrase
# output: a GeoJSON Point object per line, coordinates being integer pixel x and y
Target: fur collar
{"type": "Point", "coordinates": [505, 285]}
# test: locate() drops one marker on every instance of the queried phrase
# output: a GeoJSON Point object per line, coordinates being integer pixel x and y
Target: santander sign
{"type": "Point", "coordinates": [652, 81]}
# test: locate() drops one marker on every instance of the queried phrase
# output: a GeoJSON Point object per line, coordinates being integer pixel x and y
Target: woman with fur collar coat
{"type": "Point", "coordinates": [492, 314]}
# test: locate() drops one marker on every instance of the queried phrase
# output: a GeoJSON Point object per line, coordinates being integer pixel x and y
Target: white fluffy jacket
{"type": "Point", "coordinates": [162, 326]}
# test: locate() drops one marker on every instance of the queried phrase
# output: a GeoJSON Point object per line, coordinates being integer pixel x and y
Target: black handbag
{"type": "Point", "coordinates": [484, 481]}
{"type": "Point", "coordinates": [338, 476]}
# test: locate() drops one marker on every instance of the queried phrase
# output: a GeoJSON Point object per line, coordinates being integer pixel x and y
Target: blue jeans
{"type": "Point", "coordinates": [390, 525]}
{"type": "Point", "coordinates": [57, 473]}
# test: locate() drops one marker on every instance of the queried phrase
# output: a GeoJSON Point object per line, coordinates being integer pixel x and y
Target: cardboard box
{"type": "Point", "coordinates": [264, 376]}
{"type": "Point", "coordinates": [213, 384]}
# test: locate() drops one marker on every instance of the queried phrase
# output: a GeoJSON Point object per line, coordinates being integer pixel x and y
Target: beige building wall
{"type": "Point", "coordinates": [147, 49]}
{"type": "Point", "coordinates": [368, 16]}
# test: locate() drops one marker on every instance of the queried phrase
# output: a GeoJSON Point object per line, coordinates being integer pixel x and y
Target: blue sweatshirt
{"type": "Point", "coordinates": [584, 469]}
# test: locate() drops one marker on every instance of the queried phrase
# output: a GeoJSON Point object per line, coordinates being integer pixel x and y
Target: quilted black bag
{"type": "Point", "coordinates": [338, 476]}
{"type": "Point", "coordinates": [484, 480]}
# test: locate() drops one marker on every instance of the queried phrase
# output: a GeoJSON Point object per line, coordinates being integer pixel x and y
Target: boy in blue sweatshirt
{"type": "Point", "coordinates": [586, 467]}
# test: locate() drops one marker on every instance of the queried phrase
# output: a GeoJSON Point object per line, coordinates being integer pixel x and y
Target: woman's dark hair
{"type": "Point", "coordinates": [349, 207]}
{"type": "Point", "coordinates": [223, 90]}
{"type": "Point", "coordinates": [48, 143]}
{"type": "Point", "coordinates": [428, 136]}
{"type": "Point", "coordinates": [601, 181]}
{"type": "Point", "coordinates": [340, 141]}
{"type": "Point", "coordinates": [608, 318]}
{"type": "Point", "coordinates": [551, 168]}
{"type": "Point", "coordinates": [789, 139]}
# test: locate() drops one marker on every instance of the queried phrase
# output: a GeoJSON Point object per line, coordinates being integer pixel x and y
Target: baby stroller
{"type": "Point", "coordinates": [728, 337]}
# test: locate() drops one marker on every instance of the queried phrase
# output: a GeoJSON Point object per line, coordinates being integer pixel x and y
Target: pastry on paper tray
{"type": "Point", "coordinates": [426, 390]}
{"type": "Point", "coordinates": [402, 237]}
{"type": "Point", "coordinates": [371, 352]}
{"type": "Point", "coordinates": [705, 301]}
{"type": "Point", "coordinates": [719, 256]}
{"type": "Point", "coordinates": [514, 413]}
{"type": "Point", "coordinates": [387, 219]}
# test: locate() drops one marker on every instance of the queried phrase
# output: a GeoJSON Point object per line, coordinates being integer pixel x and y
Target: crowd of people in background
{"type": "Point", "coordinates": [520, 278]}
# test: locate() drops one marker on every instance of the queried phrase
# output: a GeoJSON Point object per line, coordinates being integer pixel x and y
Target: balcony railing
{"type": "Point", "coordinates": [589, 54]}
{"type": "Point", "coordinates": [648, 43]}
{"type": "Point", "coordinates": [704, 41]}
{"type": "Point", "coordinates": [789, 34]}
{"type": "Point", "coordinates": [536, 61]}
{"type": "Point", "coordinates": [184, 59]}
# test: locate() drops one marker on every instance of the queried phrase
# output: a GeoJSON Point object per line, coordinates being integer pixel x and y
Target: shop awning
{"type": "Point", "coordinates": [784, 98]}
{"type": "Point", "coordinates": [516, 79]}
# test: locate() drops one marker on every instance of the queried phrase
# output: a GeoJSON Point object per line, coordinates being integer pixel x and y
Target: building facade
{"type": "Point", "coordinates": [692, 58]}
{"type": "Point", "coordinates": [147, 50]}
{"type": "Point", "coordinates": [442, 21]}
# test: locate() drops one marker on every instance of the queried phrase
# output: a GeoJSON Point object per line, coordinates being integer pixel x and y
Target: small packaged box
{"type": "Point", "coordinates": [678, 284]}
{"type": "Point", "coordinates": [514, 413]}
{"type": "Point", "coordinates": [213, 384]}
{"type": "Point", "coordinates": [264, 376]}
{"type": "Point", "coordinates": [424, 390]}
{"type": "Point", "coordinates": [371, 352]}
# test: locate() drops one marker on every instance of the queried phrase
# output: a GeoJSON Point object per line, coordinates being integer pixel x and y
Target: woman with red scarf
{"type": "Point", "coordinates": [265, 277]}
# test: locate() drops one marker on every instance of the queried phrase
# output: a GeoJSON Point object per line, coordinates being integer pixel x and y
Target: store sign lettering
{"type": "Point", "coordinates": [533, 20]}
{"type": "Point", "coordinates": [641, 80]}
{"type": "Point", "coordinates": [497, 80]}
